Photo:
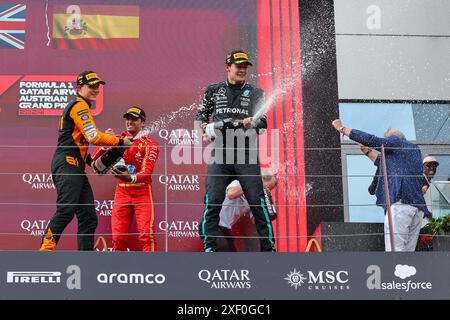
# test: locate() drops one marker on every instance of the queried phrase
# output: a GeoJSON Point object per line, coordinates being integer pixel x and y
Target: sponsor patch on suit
{"type": "Point", "coordinates": [82, 112]}
{"type": "Point", "coordinates": [88, 127]}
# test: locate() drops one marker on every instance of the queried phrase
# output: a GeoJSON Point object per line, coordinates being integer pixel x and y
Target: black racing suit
{"type": "Point", "coordinates": [235, 102]}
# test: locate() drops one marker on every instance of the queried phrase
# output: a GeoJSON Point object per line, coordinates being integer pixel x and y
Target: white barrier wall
{"type": "Point", "coordinates": [393, 50]}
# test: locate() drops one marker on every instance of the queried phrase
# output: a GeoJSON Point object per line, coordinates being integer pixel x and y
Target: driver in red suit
{"type": "Point", "coordinates": [133, 191]}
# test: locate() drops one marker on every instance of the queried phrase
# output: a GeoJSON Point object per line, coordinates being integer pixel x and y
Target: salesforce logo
{"type": "Point", "coordinates": [401, 271]}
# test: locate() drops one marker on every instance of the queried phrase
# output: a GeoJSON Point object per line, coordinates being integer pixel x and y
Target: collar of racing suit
{"type": "Point", "coordinates": [126, 133]}
{"type": "Point", "coordinates": [237, 86]}
{"type": "Point", "coordinates": [82, 98]}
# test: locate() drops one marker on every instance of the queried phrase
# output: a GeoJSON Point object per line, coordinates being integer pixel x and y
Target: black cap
{"type": "Point", "coordinates": [89, 78]}
{"type": "Point", "coordinates": [237, 56]}
{"type": "Point", "coordinates": [135, 112]}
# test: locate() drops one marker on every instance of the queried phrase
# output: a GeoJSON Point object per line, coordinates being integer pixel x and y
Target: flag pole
{"type": "Point", "coordinates": [387, 198]}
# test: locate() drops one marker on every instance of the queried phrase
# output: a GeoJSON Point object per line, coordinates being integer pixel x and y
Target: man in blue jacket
{"type": "Point", "coordinates": [404, 170]}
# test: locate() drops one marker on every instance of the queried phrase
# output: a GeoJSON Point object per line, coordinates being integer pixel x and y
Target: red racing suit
{"type": "Point", "coordinates": [135, 197]}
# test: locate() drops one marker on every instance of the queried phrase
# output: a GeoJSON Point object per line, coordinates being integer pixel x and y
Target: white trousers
{"type": "Point", "coordinates": [406, 223]}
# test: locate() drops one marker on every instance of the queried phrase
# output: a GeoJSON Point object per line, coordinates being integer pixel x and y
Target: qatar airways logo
{"type": "Point", "coordinates": [35, 227]}
{"type": "Point", "coordinates": [226, 278]}
{"type": "Point", "coordinates": [180, 182]}
{"type": "Point", "coordinates": [180, 136]}
{"type": "Point", "coordinates": [180, 228]}
{"type": "Point", "coordinates": [39, 181]}
{"type": "Point", "coordinates": [104, 207]}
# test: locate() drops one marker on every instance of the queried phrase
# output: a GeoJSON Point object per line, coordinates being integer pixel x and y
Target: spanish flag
{"type": "Point", "coordinates": [96, 27]}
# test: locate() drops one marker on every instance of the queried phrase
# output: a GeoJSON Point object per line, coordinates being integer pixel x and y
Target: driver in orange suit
{"type": "Point", "coordinates": [77, 130]}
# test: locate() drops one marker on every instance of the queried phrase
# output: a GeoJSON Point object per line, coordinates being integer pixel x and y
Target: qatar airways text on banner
{"type": "Point", "coordinates": [43, 95]}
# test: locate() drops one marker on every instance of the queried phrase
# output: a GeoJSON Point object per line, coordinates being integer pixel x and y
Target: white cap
{"type": "Point", "coordinates": [430, 159]}
{"type": "Point", "coordinates": [268, 173]}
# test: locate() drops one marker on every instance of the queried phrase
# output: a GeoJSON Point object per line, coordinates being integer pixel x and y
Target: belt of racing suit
{"type": "Point", "coordinates": [141, 184]}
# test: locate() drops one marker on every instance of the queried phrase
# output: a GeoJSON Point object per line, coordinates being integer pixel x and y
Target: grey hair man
{"type": "Point", "coordinates": [404, 172]}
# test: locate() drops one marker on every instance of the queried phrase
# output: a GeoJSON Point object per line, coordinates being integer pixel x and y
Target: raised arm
{"type": "Point", "coordinates": [367, 139]}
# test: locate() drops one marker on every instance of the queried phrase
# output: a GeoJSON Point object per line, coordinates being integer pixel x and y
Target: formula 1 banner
{"type": "Point", "coordinates": [159, 55]}
{"type": "Point", "coordinates": [44, 95]}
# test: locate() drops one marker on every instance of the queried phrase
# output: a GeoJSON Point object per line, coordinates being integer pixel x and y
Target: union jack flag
{"type": "Point", "coordinates": [12, 26]}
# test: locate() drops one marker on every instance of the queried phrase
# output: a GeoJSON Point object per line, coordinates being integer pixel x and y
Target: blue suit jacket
{"type": "Point", "coordinates": [403, 166]}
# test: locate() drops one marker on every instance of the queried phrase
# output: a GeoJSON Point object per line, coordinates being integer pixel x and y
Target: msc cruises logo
{"type": "Point", "coordinates": [295, 279]}
{"type": "Point", "coordinates": [321, 280]}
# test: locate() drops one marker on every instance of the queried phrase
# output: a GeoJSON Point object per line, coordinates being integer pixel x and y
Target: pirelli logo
{"type": "Point", "coordinates": [134, 110]}
{"type": "Point", "coordinates": [33, 277]}
{"type": "Point", "coordinates": [72, 161]}
{"type": "Point", "coordinates": [240, 55]}
{"type": "Point", "coordinates": [91, 75]}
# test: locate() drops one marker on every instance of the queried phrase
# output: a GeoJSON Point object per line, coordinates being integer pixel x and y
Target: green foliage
{"type": "Point", "coordinates": [438, 226]}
